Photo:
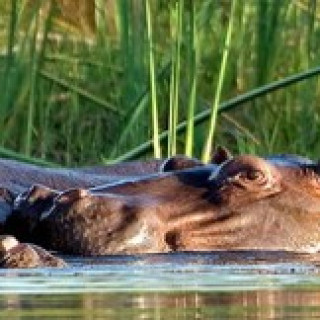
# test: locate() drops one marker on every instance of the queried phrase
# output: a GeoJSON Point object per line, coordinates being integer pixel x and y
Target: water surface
{"type": "Point", "coordinates": [215, 285]}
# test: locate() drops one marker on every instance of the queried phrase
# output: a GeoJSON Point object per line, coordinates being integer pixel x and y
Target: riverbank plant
{"type": "Point", "coordinates": [108, 81]}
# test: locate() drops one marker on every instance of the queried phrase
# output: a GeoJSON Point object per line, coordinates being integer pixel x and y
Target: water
{"type": "Point", "coordinates": [216, 285]}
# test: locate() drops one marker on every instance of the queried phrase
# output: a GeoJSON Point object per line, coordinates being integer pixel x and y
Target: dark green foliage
{"type": "Point", "coordinates": [71, 97]}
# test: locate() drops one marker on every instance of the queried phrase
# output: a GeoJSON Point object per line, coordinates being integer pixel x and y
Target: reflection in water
{"type": "Point", "coordinates": [164, 305]}
{"type": "Point", "coordinates": [216, 285]}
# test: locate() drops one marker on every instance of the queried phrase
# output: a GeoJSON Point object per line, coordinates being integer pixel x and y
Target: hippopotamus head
{"type": "Point", "coordinates": [247, 202]}
{"type": "Point", "coordinates": [265, 205]}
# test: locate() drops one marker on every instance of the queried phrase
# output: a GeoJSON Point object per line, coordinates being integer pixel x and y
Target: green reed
{"type": "Point", "coordinates": [215, 104]}
{"type": "Point", "coordinates": [153, 86]}
{"type": "Point", "coordinates": [74, 97]}
{"type": "Point", "coordinates": [193, 67]}
{"type": "Point", "coordinates": [177, 17]}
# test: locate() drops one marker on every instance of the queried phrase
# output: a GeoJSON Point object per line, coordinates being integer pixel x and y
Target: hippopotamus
{"type": "Point", "coordinates": [16, 177]}
{"type": "Point", "coordinates": [14, 254]}
{"type": "Point", "coordinates": [245, 203]}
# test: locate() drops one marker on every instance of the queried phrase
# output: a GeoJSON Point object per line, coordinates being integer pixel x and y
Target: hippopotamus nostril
{"type": "Point", "coordinates": [34, 193]}
{"type": "Point", "coordinates": [66, 198]}
{"type": "Point", "coordinates": [35, 197]}
{"type": "Point", "coordinates": [71, 195]}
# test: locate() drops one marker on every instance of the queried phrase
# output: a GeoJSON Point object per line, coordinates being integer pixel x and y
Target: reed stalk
{"type": "Point", "coordinates": [176, 79]}
{"type": "Point", "coordinates": [215, 103]}
{"type": "Point", "coordinates": [194, 64]}
{"type": "Point", "coordinates": [153, 86]}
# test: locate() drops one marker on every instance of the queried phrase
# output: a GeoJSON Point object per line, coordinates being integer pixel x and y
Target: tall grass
{"type": "Point", "coordinates": [176, 23]}
{"type": "Point", "coordinates": [215, 103]}
{"type": "Point", "coordinates": [192, 66]}
{"type": "Point", "coordinates": [154, 112]}
{"type": "Point", "coordinates": [76, 93]}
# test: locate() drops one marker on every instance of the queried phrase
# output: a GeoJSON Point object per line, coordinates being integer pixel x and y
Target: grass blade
{"type": "Point", "coordinates": [154, 106]}
{"type": "Point", "coordinates": [193, 67]}
{"type": "Point", "coordinates": [215, 104]}
{"type": "Point", "coordinates": [176, 80]}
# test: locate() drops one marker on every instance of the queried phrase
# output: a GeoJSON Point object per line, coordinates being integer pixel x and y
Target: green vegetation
{"type": "Point", "coordinates": [116, 80]}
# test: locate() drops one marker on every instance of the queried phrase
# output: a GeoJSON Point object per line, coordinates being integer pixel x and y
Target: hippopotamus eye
{"type": "Point", "coordinates": [254, 175]}
{"type": "Point", "coordinates": [250, 179]}
{"type": "Point", "coordinates": [251, 175]}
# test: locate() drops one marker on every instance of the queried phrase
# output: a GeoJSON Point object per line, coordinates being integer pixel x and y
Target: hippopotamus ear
{"type": "Point", "coordinates": [221, 155]}
{"type": "Point", "coordinates": [179, 162]}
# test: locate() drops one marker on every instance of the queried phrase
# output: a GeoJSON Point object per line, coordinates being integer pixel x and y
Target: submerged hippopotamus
{"type": "Point", "coordinates": [16, 177]}
{"type": "Point", "coordinates": [246, 202]}
{"type": "Point", "coordinates": [14, 254]}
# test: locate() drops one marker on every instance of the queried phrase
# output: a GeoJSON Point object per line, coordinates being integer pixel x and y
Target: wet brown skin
{"type": "Point", "coordinates": [248, 203]}
{"type": "Point", "coordinates": [28, 222]}
{"type": "Point", "coordinates": [14, 254]}
{"type": "Point", "coordinates": [16, 178]}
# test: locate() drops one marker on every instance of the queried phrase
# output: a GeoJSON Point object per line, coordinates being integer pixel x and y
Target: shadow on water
{"type": "Point", "coordinates": [216, 285]}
